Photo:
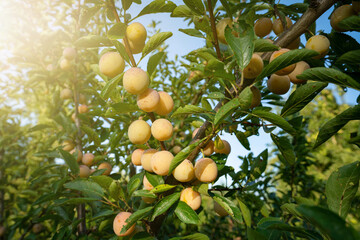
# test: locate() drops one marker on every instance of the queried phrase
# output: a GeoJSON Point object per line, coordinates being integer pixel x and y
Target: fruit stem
{"type": "Point", "coordinates": [213, 28]}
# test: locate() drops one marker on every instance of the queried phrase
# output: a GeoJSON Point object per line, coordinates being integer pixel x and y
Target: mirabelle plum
{"type": "Point", "coordinates": [66, 93]}
{"type": "Point", "coordinates": [209, 148]}
{"type": "Point", "coordinates": [300, 68]}
{"type": "Point", "coordinates": [285, 70]}
{"type": "Point", "coordinates": [162, 129]}
{"type": "Point", "coordinates": [147, 184]}
{"type": "Point", "coordinates": [139, 132]}
{"type": "Point", "coordinates": [69, 53]}
{"type": "Point", "coordinates": [263, 27]}
{"type": "Point", "coordinates": [136, 33]}
{"type": "Point", "coordinates": [184, 172]}
{"type": "Point", "coordinates": [146, 159]}
{"type": "Point", "coordinates": [278, 84]}
{"type": "Point", "coordinates": [65, 64]}
{"type": "Point", "coordinates": [160, 162]}
{"type": "Point", "coordinates": [107, 166]}
{"type": "Point", "coordinates": [148, 100]}
{"type": "Point", "coordinates": [176, 149]}
{"type": "Point", "coordinates": [206, 170]}
{"type": "Point", "coordinates": [119, 223]}
{"type": "Point", "coordinates": [191, 198]}
{"type": "Point", "coordinates": [78, 154]}
{"type": "Point", "coordinates": [220, 210]}
{"type": "Point", "coordinates": [84, 171]}
{"type": "Point", "coordinates": [254, 68]}
{"type": "Point", "coordinates": [88, 159]}
{"type": "Point", "coordinates": [111, 64]}
{"type": "Point", "coordinates": [136, 156]}
{"type": "Point", "coordinates": [278, 27]}
{"type": "Point", "coordinates": [340, 14]}
{"type": "Point", "coordinates": [256, 98]}
{"type": "Point", "coordinates": [223, 150]}
{"type": "Point", "coordinates": [68, 145]}
{"type": "Point", "coordinates": [37, 228]}
{"type": "Point", "coordinates": [220, 29]}
{"type": "Point", "coordinates": [320, 44]}
{"type": "Point", "coordinates": [83, 109]}
{"type": "Point", "coordinates": [166, 104]}
{"type": "Point", "coordinates": [135, 80]}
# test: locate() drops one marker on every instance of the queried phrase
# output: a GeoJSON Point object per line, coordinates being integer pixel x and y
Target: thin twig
{"type": "Point", "coordinates": [213, 28]}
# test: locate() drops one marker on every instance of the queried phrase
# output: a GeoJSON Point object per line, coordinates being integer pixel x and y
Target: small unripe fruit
{"type": "Point", "coordinates": [120, 222]}
{"type": "Point", "coordinates": [2, 231]}
{"type": "Point", "coordinates": [184, 172]}
{"type": "Point", "coordinates": [37, 228]}
{"type": "Point", "coordinates": [136, 33]}
{"type": "Point", "coordinates": [135, 80]}
{"type": "Point", "coordinates": [147, 184]}
{"type": "Point", "coordinates": [68, 145]}
{"type": "Point", "coordinates": [340, 14]}
{"type": "Point", "coordinates": [278, 84]}
{"type": "Point", "coordinates": [148, 100]}
{"type": "Point", "coordinates": [256, 98]}
{"type": "Point", "coordinates": [220, 29]}
{"type": "Point", "coordinates": [65, 64]}
{"type": "Point", "coordinates": [356, 6]}
{"type": "Point", "coordinates": [285, 70]}
{"type": "Point", "coordinates": [160, 162]}
{"type": "Point", "coordinates": [84, 171]}
{"type": "Point", "coordinates": [139, 132]}
{"type": "Point", "coordinates": [66, 94]}
{"type": "Point", "coordinates": [111, 64]}
{"type": "Point", "coordinates": [209, 148]}
{"type": "Point", "coordinates": [148, 200]}
{"type": "Point", "coordinates": [191, 198]}
{"type": "Point", "coordinates": [146, 159]}
{"type": "Point", "coordinates": [79, 154]}
{"type": "Point", "coordinates": [162, 129]}
{"type": "Point", "coordinates": [176, 149]}
{"type": "Point", "coordinates": [165, 105]}
{"type": "Point", "coordinates": [88, 159]}
{"type": "Point", "coordinates": [263, 27]}
{"type": "Point", "coordinates": [300, 68]}
{"type": "Point", "coordinates": [278, 27]}
{"type": "Point", "coordinates": [69, 53]}
{"type": "Point", "coordinates": [83, 109]}
{"type": "Point", "coordinates": [220, 210]}
{"type": "Point", "coordinates": [320, 44]}
{"type": "Point", "coordinates": [206, 170]}
{"type": "Point", "coordinates": [136, 156]}
{"type": "Point", "coordinates": [254, 68]}
{"type": "Point", "coordinates": [225, 150]}
{"type": "Point", "coordinates": [107, 166]}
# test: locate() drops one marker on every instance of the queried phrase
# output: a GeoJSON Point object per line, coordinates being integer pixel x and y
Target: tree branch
{"type": "Point", "coordinates": [213, 28]}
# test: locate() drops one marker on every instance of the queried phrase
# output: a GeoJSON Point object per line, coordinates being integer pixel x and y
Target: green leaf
{"type": "Point", "coordinates": [274, 119]}
{"type": "Point", "coordinates": [216, 95]}
{"type": "Point", "coordinates": [155, 41]}
{"type": "Point", "coordinates": [196, 6]}
{"type": "Point", "coordinates": [243, 140]}
{"type": "Point", "coordinates": [291, 208]}
{"type": "Point", "coordinates": [40, 127]}
{"type": "Point", "coordinates": [245, 213]}
{"type": "Point", "coordinates": [154, 179]}
{"type": "Point", "coordinates": [330, 75]}
{"type": "Point", "coordinates": [117, 31]}
{"type": "Point", "coordinates": [153, 62]}
{"type": "Point", "coordinates": [126, 4]}
{"type": "Point", "coordinates": [285, 60]}
{"type": "Point", "coordinates": [123, 107]}
{"type": "Point", "coordinates": [285, 147]}
{"type": "Point", "coordinates": [164, 204]}
{"type": "Point", "coordinates": [351, 57]}
{"type": "Point", "coordinates": [341, 188]}
{"type": "Point", "coordinates": [227, 7]}
{"type": "Point", "coordinates": [144, 193]}
{"type": "Point", "coordinates": [142, 236]}
{"type": "Point", "coordinates": [254, 235]}
{"type": "Point", "coordinates": [329, 223]}
{"type": "Point", "coordinates": [116, 191]}
{"type": "Point", "coordinates": [102, 180]}
{"type": "Point", "coordinates": [134, 183]}
{"type": "Point", "coordinates": [228, 206]}
{"type": "Point", "coordinates": [93, 41]}
{"type": "Point", "coordinates": [70, 161]}
{"type": "Point", "coordinates": [94, 136]}
{"type": "Point", "coordinates": [110, 86]}
{"type": "Point", "coordinates": [332, 126]}
{"type": "Point", "coordinates": [182, 155]}
{"type": "Point", "coordinates": [263, 45]}
{"type": "Point", "coordinates": [242, 47]}
{"type": "Point", "coordinates": [192, 32]}
{"type": "Point", "coordinates": [259, 164]}
{"type": "Point", "coordinates": [188, 109]}
{"type": "Point", "coordinates": [182, 11]}
{"type": "Point", "coordinates": [350, 24]}
{"type": "Point", "coordinates": [301, 97]}
{"type": "Point", "coordinates": [157, 6]}
{"type": "Point", "coordinates": [162, 188]}
{"type": "Point", "coordinates": [75, 201]}
{"type": "Point", "coordinates": [87, 13]}
{"type": "Point", "coordinates": [195, 236]}
{"type": "Point", "coordinates": [85, 186]}
{"type": "Point", "coordinates": [186, 214]}
{"type": "Point", "coordinates": [121, 49]}
{"type": "Point", "coordinates": [135, 216]}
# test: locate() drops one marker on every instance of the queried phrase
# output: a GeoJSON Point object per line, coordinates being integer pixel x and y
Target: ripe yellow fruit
{"type": "Point", "coordinates": [147, 184]}
{"type": "Point", "coordinates": [278, 84]}
{"type": "Point", "coordinates": [220, 29]}
{"type": "Point", "coordinates": [295, 44]}
{"type": "Point", "coordinates": [78, 153]}
{"type": "Point", "coordinates": [162, 129]}
{"type": "Point", "coordinates": [65, 64]}
{"type": "Point", "coordinates": [148, 200]}
{"type": "Point", "coordinates": [356, 6]}
{"type": "Point", "coordinates": [300, 68]}
{"type": "Point", "coordinates": [135, 80]}
{"type": "Point", "coordinates": [88, 159]}
{"type": "Point", "coordinates": [66, 93]}
{"type": "Point", "coordinates": [220, 210]}
{"type": "Point", "coordinates": [184, 172]}
{"type": "Point", "coordinates": [37, 228]}
{"type": "Point", "coordinates": [254, 68]}
{"type": "Point", "coordinates": [256, 99]}
{"type": "Point", "coordinates": [69, 53]}
{"type": "Point", "coordinates": [136, 156]}
{"type": "Point", "coordinates": [146, 159]}
{"type": "Point", "coordinates": [209, 148]}
{"type": "Point", "coordinates": [340, 14]}
{"type": "Point", "coordinates": [191, 198]}
{"type": "Point", "coordinates": [263, 27]}
{"type": "Point", "coordinates": [84, 171]}
{"type": "Point", "coordinates": [320, 44]}
{"type": "Point", "coordinates": [119, 223]}
{"type": "Point", "coordinates": [111, 64]}
{"type": "Point", "coordinates": [278, 27]}
{"type": "Point", "coordinates": [206, 170]}
{"type": "Point", "coordinates": [160, 162]}
{"type": "Point", "coordinates": [148, 100]}
{"type": "Point", "coordinates": [139, 132]}
{"type": "Point", "coordinates": [285, 70]}
{"type": "Point", "coordinates": [224, 150]}
{"type": "Point", "coordinates": [165, 105]}
{"type": "Point", "coordinates": [83, 109]}
{"type": "Point", "coordinates": [136, 33]}
{"type": "Point", "coordinates": [176, 149]}
{"type": "Point", "coordinates": [107, 166]}
{"type": "Point", "coordinates": [68, 145]}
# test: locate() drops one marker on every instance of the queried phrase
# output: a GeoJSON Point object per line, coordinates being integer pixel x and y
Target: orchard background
{"type": "Point", "coordinates": [283, 168]}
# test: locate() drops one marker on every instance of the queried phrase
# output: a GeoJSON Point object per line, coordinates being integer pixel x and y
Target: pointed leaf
{"type": "Point", "coordinates": [110, 86]}
{"type": "Point", "coordinates": [135, 216]}
{"type": "Point", "coordinates": [157, 6]}
{"type": "Point", "coordinates": [188, 109]}
{"type": "Point", "coordinates": [117, 31]}
{"type": "Point", "coordinates": [245, 213]}
{"type": "Point", "coordinates": [263, 45]}
{"type": "Point", "coordinates": [154, 42]}
{"type": "Point", "coordinates": [229, 207]}
{"type": "Point", "coordinates": [86, 187]}
{"type": "Point", "coordinates": [182, 155]}
{"type": "Point", "coordinates": [196, 6]}
{"type": "Point", "coordinates": [285, 147]}
{"type": "Point", "coordinates": [70, 161]}
{"type": "Point", "coordinates": [153, 62]}
{"type": "Point", "coordinates": [164, 204]}
{"type": "Point", "coordinates": [93, 41]}
{"type": "Point", "coordinates": [351, 57]}
{"type": "Point", "coordinates": [186, 214]}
